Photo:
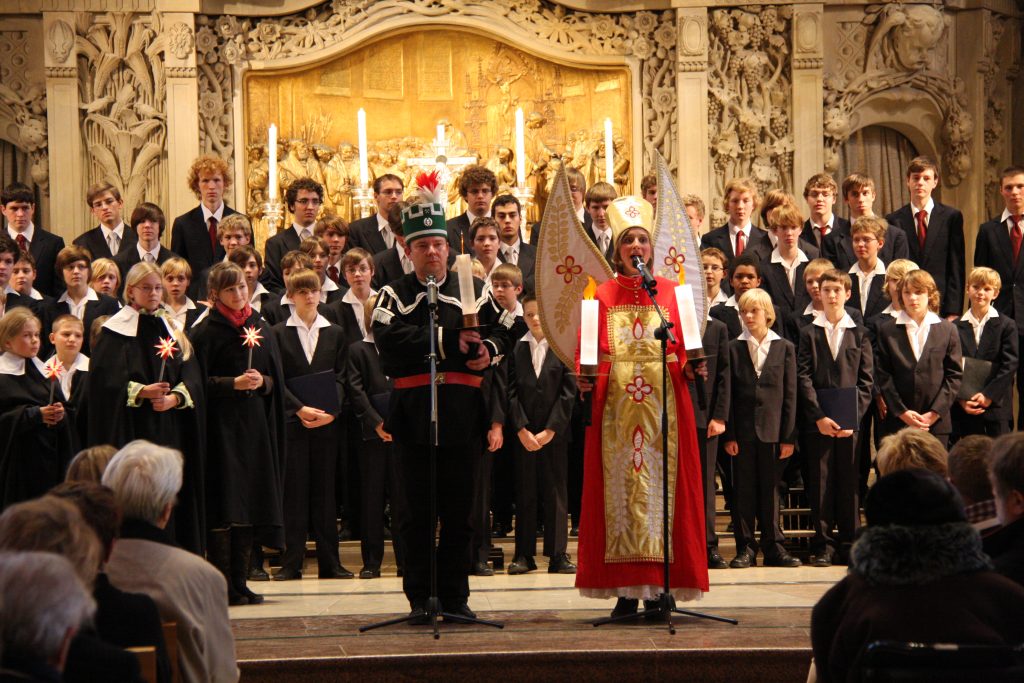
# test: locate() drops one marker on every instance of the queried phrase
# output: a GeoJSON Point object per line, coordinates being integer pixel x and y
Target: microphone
{"type": "Point", "coordinates": [639, 264]}
{"type": "Point", "coordinates": [431, 291]}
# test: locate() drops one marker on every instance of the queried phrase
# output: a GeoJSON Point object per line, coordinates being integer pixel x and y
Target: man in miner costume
{"type": "Point", "coordinates": [401, 331]}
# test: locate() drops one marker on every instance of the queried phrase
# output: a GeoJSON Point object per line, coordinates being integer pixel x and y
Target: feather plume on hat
{"type": "Point", "coordinates": [425, 216]}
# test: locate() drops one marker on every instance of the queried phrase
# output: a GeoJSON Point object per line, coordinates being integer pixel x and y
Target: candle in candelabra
{"type": "Point", "coordinates": [688, 317]}
{"type": "Point", "coordinates": [609, 153]}
{"type": "Point", "coordinates": [440, 135]}
{"type": "Point", "coordinates": [364, 171]}
{"type": "Point", "coordinates": [272, 164]}
{"type": "Point", "coordinates": [520, 149]}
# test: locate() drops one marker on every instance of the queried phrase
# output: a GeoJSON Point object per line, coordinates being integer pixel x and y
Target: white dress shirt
{"type": "Point", "coordinates": [979, 325]}
{"type": "Point", "coordinates": [81, 362]}
{"type": "Point", "coordinates": [917, 334]}
{"type": "Point", "coordinates": [256, 300]}
{"type": "Point", "coordinates": [326, 287]}
{"type": "Point", "coordinates": [736, 229]}
{"type": "Point", "coordinates": [154, 252]}
{"type": "Point", "coordinates": [384, 228]}
{"type": "Point", "coordinates": [352, 300]}
{"type": "Point", "coordinates": [303, 233]}
{"type": "Point", "coordinates": [720, 298]}
{"type": "Point", "coordinates": [604, 238]}
{"type": "Point", "coordinates": [30, 232]}
{"type": "Point", "coordinates": [758, 349]}
{"type": "Point", "coordinates": [1005, 221]}
{"type": "Point", "coordinates": [218, 214]}
{"type": "Point", "coordinates": [928, 206]}
{"type": "Point", "coordinates": [179, 315]}
{"type": "Point", "coordinates": [538, 352]}
{"type": "Point", "coordinates": [791, 266]}
{"type": "Point", "coordinates": [116, 233]}
{"type": "Point", "coordinates": [834, 333]}
{"type": "Point", "coordinates": [864, 280]}
{"type": "Point", "coordinates": [78, 310]}
{"type": "Point", "coordinates": [511, 252]}
{"type": "Point", "coordinates": [308, 336]}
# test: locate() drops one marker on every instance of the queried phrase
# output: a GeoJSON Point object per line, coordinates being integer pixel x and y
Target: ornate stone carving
{"type": "Point", "coordinates": [60, 40]}
{"type": "Point", "coordinates": [226, 43]}
{"type": "Point", "coordinates": [996, 72]}
{"type": "Point", "coordinates": [61, 72]}
{"type": "Point", "coordinates": [808, 63]}
{"type": "Point", "coordinates": [23, 105]}
{"type": "Point", "coordinates": [121, 81]}
{"type": "Point", "coordinates": [894, 47]}
{"type": "Point", "coordinates": [180, 41]}
{"type": "Point", "coordinates": [181, 72]}
{"type": "Point", "coordinates": [750, 86]}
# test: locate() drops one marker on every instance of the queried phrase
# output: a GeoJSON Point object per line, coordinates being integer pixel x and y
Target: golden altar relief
{"type": "Point", "coordinates": [410, 82]}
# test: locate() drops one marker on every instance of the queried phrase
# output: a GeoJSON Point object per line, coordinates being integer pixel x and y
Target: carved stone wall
{"type": "Point", "coordinates": [23, 103]}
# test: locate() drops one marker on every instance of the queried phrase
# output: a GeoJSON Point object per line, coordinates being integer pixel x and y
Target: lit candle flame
{"type": "Point", "coordinates": [590, 291]}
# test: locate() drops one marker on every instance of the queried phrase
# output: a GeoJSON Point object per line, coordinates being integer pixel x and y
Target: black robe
{"type": "Point", "coordinates": [118, 359]}
{"type": "Point", "coordinates": [33, 456]}
{"type": "Point", "coordinates": [245, 430]}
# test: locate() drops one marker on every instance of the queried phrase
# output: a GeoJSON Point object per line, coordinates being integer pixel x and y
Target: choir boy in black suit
{"type": "Point", "coordinates": [935, 234]}
{"type": "Point", "coordinates": [357, 269]}
{"type": "Point", "coordinates": [859, 195]}
{"type": "Point", "coordinates": [176, 275]}
{"type": "Point", "coordinates": [317, 251]}
{"type": "Point", "coordinates": [763, 249]}
{"type": "Point", "coordinates": [369, 390]}
{"type": "Point", "coordinates": [9, 297]}
{"type": "Point", "coordinates": [391, 264]}
{"type": "Point", "coordinates": [542, 392]}
{"type": "Point", "coordinates": [738, 234]}
{"type": "Point", "coordinates": [374, 233]}
{"type": "Point", "coordinates": [277, 309]}
{"type": "Point", "coordinates": [310, 345]}
{"type": "Point", "coordinates": [304, 198]}
{"type": "Point", "coordinates": [761, 432]}
{"type": "Point", "coordinates": [834, 352]}
{"type": "Point", "coordinates": [333, 230]}
{"type": "Point", "coordinates": [745, 275]}
{"type": "Point", "coordinates": [598, 197]}
{"type": "Point", "coordinates": [820, 193]}
{"type": "Point", "coordinates": [782, 272]}
{"type": "Point", "coordinates": [19, 207]}
{"type": "Point", "coordinates": [22, 283]}
{"type": "Point", "coordinates": [998, 247]}
{"type": "Point", "coordinates": [988, 336]}
{"type": "Point", "coordinates": [148, 223]}
{"type": "Point", "coordinates": [194, 234]}
{"type": "Point", "coordinates": [477, 187]}
{"type": "Point", "coordinates": [233, 232]}
{"type": "Point", "coordinates": [577, 190]}
{"type": "Point", "coordinates": [513, 249]}
{"type": "Point", "coordinates": [800, 319]}
{"type": "Point", "coordinates": [919, 361]}
{"type": "Point", "coordinates": [105, 277]}
{"type": "Point", "coordinates": [66, 337]}
{"type": "Point", "coordinates": [108, 238]}
{"type": "Point", "coordinates": [251, 263]}
{"type": "Point", "coordinates": [867, 234]}
{"type": "Point", "coordinates": [715, 269]}
{"type": "Point", "coordinates": [74, 263]}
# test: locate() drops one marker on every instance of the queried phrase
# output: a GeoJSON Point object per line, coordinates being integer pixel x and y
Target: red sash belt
{"type": "Point", "coordinates": [442, 378]}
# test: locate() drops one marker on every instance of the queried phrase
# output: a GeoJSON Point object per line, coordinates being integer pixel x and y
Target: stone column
{"type": "Point", "coordinates": [808, 94]}
{"type": "Point", "coordinates": [692, 93]}
{"type": "Point", "coordinates": [182, 110]}
{"type": "Point", "coordinates": [69, 215]}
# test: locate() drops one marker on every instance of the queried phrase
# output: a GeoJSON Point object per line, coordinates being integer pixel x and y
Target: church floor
{"type": "Point", "coordinates": [308, 630]}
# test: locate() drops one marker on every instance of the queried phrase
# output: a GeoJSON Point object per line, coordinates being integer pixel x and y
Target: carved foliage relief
{"type": "Point", "coordinates": [999, 67]}
{"type": "Point", "coordinates": [896, 46]}
{"type": "Point", "coordinates": [226, 43]}
{"type": "Point", "coordinates": [23, 104]}
{"type": "Point", "coordinates": [749, 98]}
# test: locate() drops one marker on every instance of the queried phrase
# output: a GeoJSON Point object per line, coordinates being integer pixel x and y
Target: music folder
{"type": "Point", "coordinates": [976, 372]}
{"type": "Point", "coordinates": [317, 390]}
{"type": "Point", "coordinates": [840, 404]}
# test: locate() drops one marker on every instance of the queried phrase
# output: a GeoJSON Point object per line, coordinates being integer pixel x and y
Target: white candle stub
{"type": "Point", "coordinates": [467, 294]}
{"type": "Point", "coordinates": [272, 164]}
{"type": "Point", "coordinates": [364, 170]}
{"type": "Point", "coordinates": [688, 317]}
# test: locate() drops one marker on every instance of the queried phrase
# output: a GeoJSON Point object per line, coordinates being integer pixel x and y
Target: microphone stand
{"type": "Point", "coordinates": [666, 603]}
{"type": "Point", "coordinates": [433, 607]}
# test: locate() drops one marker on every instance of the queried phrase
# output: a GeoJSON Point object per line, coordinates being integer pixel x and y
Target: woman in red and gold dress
{"type": "Point", "coordinates": [621, 543]}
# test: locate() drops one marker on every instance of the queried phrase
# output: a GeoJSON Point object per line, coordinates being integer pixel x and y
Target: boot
{"type": "Point", "coordinates": [218, 553]}
{"type": "Point", "coordinates": [241, 554]}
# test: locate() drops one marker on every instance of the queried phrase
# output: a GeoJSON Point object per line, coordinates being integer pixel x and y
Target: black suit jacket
{"type": "Point", "coordinates": [458, 234]}
{"type": "Point", "coordinates": [993, 249]}
{"type": "Point", "coordinates": [106, 305]}
{"type": "Point", "coordinates": [786, 300]}
{"type": "Point", "coordinates": [274, 312]}
{"type": "Point", "coordinates": [762, 251]}
{"type": "Point", "coordinates": [44, 248]}
{"type": "Point", "coordinates": [927, 384]}
{"type": "Point", "coordinates": [330, 355]}
{"type": "Point", "coordinates": [345, 317]}
{"type": "Point", "coordinates": [717, 385]}
{"type": "Point", "coordinates": [719, 238]}
{"type": "Point", "coordinates": [365, 381]}
{"type": "Point", "coordinates": [816, 369]}
{"type": "Point", "coordinates": [363, 233]}
{"type": "Point", "coordinates": [839, 246]}
{"type": "Point", "coordinates": [277, 246]}
{"type": "Point", "coordinates": [588, 223]}
{"type": "Point", "coordinates": [190, 239]}
{"type": "Point", "coordinates": [812, 236]}
{"type": "Point", "coordinates": [593, 238]}
{"type": "Point", "coordinates": [998, 345]}
{"type": "Point", "coordinates": [98, 247]}
{"type": "Point", "coordinates": [544, 402]}
{"type": "Point", "coordinates": [126, 258]}
{"type": "Point", "coordinates": [730, 317]}
{"type": "Point", "coordinates": [877, 301]}
{"type": "Point", "coordinates": [387, 267]}
{"type": "Point", "coordinates": [763, 407]}
{"type": "Point", "coordinates": [527, 262]}
{"type": "Point", "coordinates": [943, 255]}
{"type": "Point", "coordinates": [798, 320]}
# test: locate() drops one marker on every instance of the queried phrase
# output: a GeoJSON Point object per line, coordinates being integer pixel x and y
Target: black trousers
{"type": "Point", "coordinates": [709, 456]}
{"type": "Point", "coordinates": [456, 476]}
{"type": "Point", "coordinates": [574, 484]}
{"type": "Point", "coordinates": [832, 491]}
{"type": "Point", "coordinates": [501, 483]}
{"type": "Point", "coordinates": [1020, 388]}
{"type": "Point", "coordinates": [482, 504]}
{"type": "Point", "coordinates": [309, 495]}
{"type": "Point", "coordinates": [756, 473]}
{"type": "Point", "coordinates": [541, 476]}
{"type": "Point", "coordinates": [378, 474]}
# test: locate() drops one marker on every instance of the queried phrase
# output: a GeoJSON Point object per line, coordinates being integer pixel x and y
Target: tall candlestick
{"type": "Point", "coordinates": [688, 318]}
{"type": "Point", "coordinates": [520, 149]}
{"type": "Point", "coordinates": [609, 153]}
{"type": "Point", "coordinates": [364, 171]}
{"type": "Point", "coordinates": [467, 293]}
{"type": "Point", "coordinates": [272, 164]}
{"type": "Point", "coordinates": [588, 333]}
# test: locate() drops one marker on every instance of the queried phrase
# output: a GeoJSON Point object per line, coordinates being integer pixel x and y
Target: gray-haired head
{"type": "Point", "coordinates": [145, 478]}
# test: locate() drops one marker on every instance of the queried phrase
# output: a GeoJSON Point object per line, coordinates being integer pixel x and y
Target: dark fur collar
{"type": "Point", "coordinates": [910, 555]}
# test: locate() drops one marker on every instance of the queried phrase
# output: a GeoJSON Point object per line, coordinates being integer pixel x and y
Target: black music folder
{"type": "Point", "coordinates": [318, 390]}
{"type": "Point", "coordinates": [840, 404]}
{"type": "Point", "coordinates": [976, 372]}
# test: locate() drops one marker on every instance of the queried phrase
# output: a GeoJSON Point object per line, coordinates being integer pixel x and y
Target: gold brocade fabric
{"type": "Point", "coordinates": [631, 438]}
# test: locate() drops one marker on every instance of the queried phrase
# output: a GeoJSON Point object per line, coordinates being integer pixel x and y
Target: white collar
{"type": "Point", "coordinates": [382, 224]}
{"type": "Point", "coordinates": [472, 216]}
{"type": "Point", "coordinates": [295, 321]}
{"type": "Point", "coordinates": [1006, 216]}
{"type": "Point", "coordinates": [30, 232]}
{"type": "Point", "coordinates": [770, 337]}
{"type": "Point", "coordinates": [732, 303]}
{"type": "Point", "coordinates": [801, 257]}
{"type": "Point", "coordinates": [810, 309]}
{"type": "Point", "coordinates": [828, 224]}
{"type": "Point", "coordinates": [207, 214]}
{"type": "Point", "coordinates": [879, 268]}
{"type": "Point", "coordinates": [329, 285]}
{"type": "Point", "coordinates": [298, 230]}
{"type": "Point", "coordinates": [505, 248]}
{"type": "Point", "coordinates": [846, 322]}
{"type": "Point", "coordinates": [927, 208]}
{"type": "Point", "coordinates": [34, 294]}
{"type": "Point", "coordinates": [155, 251]}
{"type": "Point", "coordinates": [90, 295]}
{"type": "Point", "coordinates": [258, 292]}
{"type": "Point", "coordinates": [116, 230]}
{"type": "Point", "coordinates": [81, 363]}
{"type": "Point", "coordinates": [746, 228]}
{"type": "Point", "coordinates": [189, 306]}
{"type": "Point", "coordinates": [929, 319]}
{"type": "Point", "coordinates": [969, 315]}
{"type": "Point", "coordinates": [12, 364]}
{"type": "Point", "coordinates": [126, 322]}
{"type": "Point", "coordinates": [351, 298]}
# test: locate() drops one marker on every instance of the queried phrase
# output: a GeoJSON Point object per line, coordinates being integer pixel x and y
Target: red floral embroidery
{"type": "Point", "coordinates": [674, 259]}
{"type": "Point", "coordinates": [638, 448]}
{"type": "Point", "coordinates": [632, 212]}
{"type": "Point", "coordinates": [639, 389]}
{"type": "Point", "coordinates": [569, 269]}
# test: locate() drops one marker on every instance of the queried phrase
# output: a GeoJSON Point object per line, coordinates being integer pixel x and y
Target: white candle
{"type": "Point", "coordinates": [609, 153]}
{"type": "Point", "coordinates": [272, 164]}
{"type": "Point", "coordinates": [364, 171]}
{"type": "Point", "coordinates": [688, 317]}
{"type": "Point", "coordinates": [588, 332]}
{"type": "Point", "coordinates": [440, 135]}
{"type": "Point", "coordinates": [467, 293]}
{"type": "Point", "coordinates": [520, 149]}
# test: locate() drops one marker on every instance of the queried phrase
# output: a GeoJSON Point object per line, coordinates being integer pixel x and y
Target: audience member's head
{"type": "Point", "coordinates": [912, 448]}
{"type": "Point", "coordinates": [1006, 470]}
{"type": "Point", "coordinates": [968, 468]}
{"type": "Point", "coordinates": [88, 464]}
{"type": "Point", "coordinates": [42, 605]}
{"type": "Point", "coordinates": [145, 479]}
{"type": "Point", "coordinates": [98, 508]}
{"type": "Point", "coordinates": [913, 497]}
{"type": "Point", "coordinates": [52, 525]}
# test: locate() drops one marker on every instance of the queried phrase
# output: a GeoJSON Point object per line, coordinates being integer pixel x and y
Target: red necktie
{"type": "Point", "coordinates": [22, 243]}
{"type": "Point", "coordinates": [922, 229]}
{"type": "Point", "coordinates": [332, 272]}
{"type": "Point", "coordinates": [823, 229]}
{"type": "Point", "coordinates": [739, 244]}
{"type": "Point", "coordinates": [213, 234]}
{"type": "Point", "coordinates": [1016, 238]}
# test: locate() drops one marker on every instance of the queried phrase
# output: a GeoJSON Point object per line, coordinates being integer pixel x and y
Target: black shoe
{"type": "Point", "coordinates": [418, 616]}
{"type": "Point", "coordinates": [460, 610]}
{"type": "Point", "coordinates": [482, 569]}
{"type": "Point", "coordinates": [822, 560]}
{"type": "Point", "coordinates": [400, 572]}
{"type": "Point", "coordinates": [521, 565]}
{"type": "Point", "coordinates": [560, 564]}
{"type": "Point", "coordinates": [653, 605]}
{"type": "Point", "coordinates": [574, 532]}
{"type": "Point", "coordinates": [253, 598]}
{"type": "Point", "coordinates": [336, 572]}
{"type": "Point", "coordinates": [285, 574]}
{"type": "Point", "coordinates": [258, 574]}
{"type": "Point", "coordinates": [745, 558]}
{"type": "Point", "coordinates": [783, 559]}
{"type": "Point", "coordinates": [715, 560]}
{"type": "Point", "coordinates": [365, 573]}
{"type": "Point", "coordinates": [624, 607]}
{"type": "Point", "coordinates": [498, 530]}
